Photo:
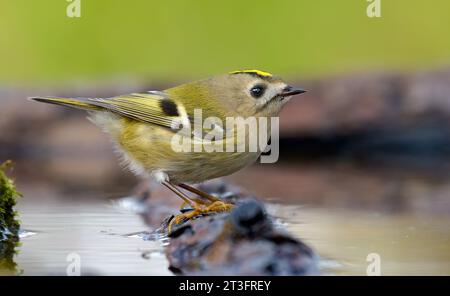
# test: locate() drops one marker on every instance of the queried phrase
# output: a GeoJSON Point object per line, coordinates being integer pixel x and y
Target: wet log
{"type": "Point", "coordinates": [245, 241]}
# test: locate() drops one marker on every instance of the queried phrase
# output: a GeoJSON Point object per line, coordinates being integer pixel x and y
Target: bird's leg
{"type": "Point", "coordinates": [178, 192]}
{"type": "Point", "coordinates": [198, 206]}
{"type": "Point", "coordinates": [200, 193]}
{"type": "Point", "coordinates": [191, 201]}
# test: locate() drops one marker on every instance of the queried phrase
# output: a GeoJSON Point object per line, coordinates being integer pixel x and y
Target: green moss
{"type": "Point", "coordinates": [9, 225]}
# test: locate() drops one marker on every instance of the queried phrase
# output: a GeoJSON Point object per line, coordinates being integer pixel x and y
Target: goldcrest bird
{"type": "Point", "coordinates": [143, 126]}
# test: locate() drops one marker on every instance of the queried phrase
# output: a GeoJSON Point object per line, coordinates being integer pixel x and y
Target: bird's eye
{"type": "Point", "coordinates": [257, 91]}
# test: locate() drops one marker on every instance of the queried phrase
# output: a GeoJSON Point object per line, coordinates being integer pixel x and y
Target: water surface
{"type": "Point", "coordinates": [100, 233]}
{"type": "Point", "coordinates": [107, 239]}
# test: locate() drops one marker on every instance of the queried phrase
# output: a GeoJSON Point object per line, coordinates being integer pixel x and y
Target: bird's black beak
{"type": "Point", "coordinates": [291, 91]}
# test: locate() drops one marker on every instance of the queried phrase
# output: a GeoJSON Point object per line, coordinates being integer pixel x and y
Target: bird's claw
{"type": "Point", "coordinates": [215, 207]}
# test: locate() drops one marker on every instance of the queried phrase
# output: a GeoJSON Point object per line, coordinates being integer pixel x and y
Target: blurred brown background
{"type": "Point", "coordinates": [377, 140]}
{"type": "Point", "coordinates": [371, 133]}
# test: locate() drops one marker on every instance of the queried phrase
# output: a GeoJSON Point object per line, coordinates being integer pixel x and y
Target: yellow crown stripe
{"type": "Point", "coordinates": [256, 72]}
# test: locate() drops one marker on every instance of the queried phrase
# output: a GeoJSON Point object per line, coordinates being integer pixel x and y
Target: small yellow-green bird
{"type": "Point", "coordinates": [143, 126]}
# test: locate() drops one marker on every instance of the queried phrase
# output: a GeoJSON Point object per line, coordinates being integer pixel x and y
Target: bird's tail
{"type": "Point", "coordinates": [81, 103]}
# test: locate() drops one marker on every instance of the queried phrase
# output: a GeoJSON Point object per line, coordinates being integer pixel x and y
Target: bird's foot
{"type": "Point", "coordinates": [219, 206]}
{"type": "Point", "coordinates": [199, 209]}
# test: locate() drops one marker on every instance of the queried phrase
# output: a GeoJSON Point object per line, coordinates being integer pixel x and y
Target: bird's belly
{"type": "Point", "coordinates": [148, 149]}
{"type": "Point", "coordinates": [204, 166]}
{"type": "Point", "coordinates": [192, 167]}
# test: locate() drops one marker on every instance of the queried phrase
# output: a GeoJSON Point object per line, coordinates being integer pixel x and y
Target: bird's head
{"type": "Point", "coordinates": [245, 93]}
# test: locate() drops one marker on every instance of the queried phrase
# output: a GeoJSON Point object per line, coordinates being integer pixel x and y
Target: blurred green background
{"type": "Point", "coordinates": [172, 40]}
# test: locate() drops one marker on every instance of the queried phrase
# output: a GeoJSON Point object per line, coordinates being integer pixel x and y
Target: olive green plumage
{"type": "Point", "coordinates": [143, 124]}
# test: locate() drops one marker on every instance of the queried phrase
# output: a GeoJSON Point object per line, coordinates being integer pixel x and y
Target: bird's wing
{"type": "Point", "coordinates": [158, 108]}
{"type": "Point", "coordinates": [153, 107]}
